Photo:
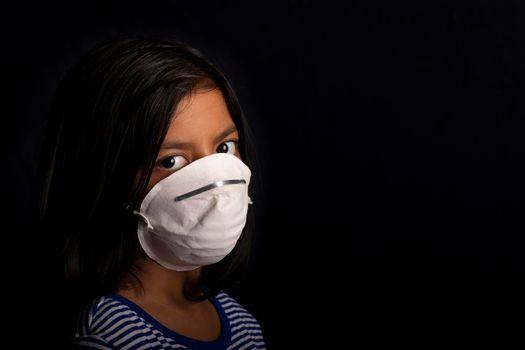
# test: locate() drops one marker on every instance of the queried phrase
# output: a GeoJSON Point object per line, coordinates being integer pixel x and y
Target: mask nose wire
{"type": "Point", "coordinates": [209, 187]}
{"type": "Point", "coordinates": [150, 226]}
{"type": "Point", "coordinates": [195, 192]}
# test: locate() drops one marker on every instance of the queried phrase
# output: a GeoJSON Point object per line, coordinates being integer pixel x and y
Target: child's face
{"type": "Point", "coordinates": [201, 126]}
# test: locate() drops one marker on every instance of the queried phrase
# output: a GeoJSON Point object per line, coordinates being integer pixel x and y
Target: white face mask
{"type": "Point", "coordinates": [195, 216]}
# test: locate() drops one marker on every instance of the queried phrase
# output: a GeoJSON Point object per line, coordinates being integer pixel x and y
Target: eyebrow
{"type": "Point", "coordinates": [226, 132]}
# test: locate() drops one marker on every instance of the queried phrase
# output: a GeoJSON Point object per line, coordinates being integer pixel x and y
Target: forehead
{"type": "Point", "coordinates": [199, 113]}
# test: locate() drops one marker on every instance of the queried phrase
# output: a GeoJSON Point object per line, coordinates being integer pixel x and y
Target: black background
{"type": "Point", "coordinates": [391, 149]}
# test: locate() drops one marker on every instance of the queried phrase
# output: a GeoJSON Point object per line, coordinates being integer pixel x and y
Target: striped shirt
{"type": "Point", "coordinates": [114, 322]}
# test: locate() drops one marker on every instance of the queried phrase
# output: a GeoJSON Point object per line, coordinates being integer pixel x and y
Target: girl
{"type": "Point", "coordinates": [146, 194]}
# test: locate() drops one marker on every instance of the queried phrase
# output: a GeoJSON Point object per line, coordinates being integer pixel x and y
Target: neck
{"type": "Point", "coordinates": [160, 284]}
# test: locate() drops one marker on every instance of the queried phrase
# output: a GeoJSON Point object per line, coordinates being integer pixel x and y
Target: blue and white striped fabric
{"type": "Point", "coordinates": [114, 322]}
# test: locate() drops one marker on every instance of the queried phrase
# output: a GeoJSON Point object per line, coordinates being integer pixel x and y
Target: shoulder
{"type": "Point", "coordinates": [245, 330]}
{"type": "Point", "coordinates": [111, 322]}
{"type": "Point", "coordinates": [97, 322]}
{"type": "Point", "coordinates": [235, 312]}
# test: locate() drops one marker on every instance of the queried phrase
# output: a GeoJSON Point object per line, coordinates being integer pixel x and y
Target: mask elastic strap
{"type": "Point", "coordinates": [150, 226]}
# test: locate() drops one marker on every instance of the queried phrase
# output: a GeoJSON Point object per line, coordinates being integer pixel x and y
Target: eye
{"type": "Point", "coordinates": [173, 163]}
{"type": "Point", "coordinates": [227, 147]}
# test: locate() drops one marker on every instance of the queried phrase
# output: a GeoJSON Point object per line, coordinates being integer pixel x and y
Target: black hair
{"type": "Point", "coordinates": [110, 115]}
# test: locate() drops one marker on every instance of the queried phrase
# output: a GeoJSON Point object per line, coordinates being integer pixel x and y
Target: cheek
{"type": "Point", "coordinates": [156, 177]}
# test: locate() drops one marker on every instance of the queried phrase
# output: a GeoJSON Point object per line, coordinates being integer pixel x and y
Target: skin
{"type": "Point", "coordinates": [201, 126]}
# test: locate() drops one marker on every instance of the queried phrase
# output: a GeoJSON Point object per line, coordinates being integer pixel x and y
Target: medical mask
{"type": "Point", "coordinates": [195, 216]}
